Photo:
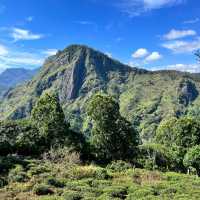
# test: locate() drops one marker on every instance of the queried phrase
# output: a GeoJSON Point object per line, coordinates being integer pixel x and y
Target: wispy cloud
{"type": "Point", "coordinates": [11, 58]}
{"type": "Point", "coordinates": [180, 46]}
{"type": "Point", "coordinates": [84, 22]}
{"type": "Point", "coordinates": [137, 7]}
{"type": "Point", "coordinates": [191, 21]}
{"type": "Point", "coordinates": [177, 34]}
{"type": "Point", "coordinates": [3, 50]}
{"type": "Point", "coordinates": [192, 68]}
{"type": "Point", "coordinates": [50, 52]}
{"type": "Point", "coordinates": [23, 34]}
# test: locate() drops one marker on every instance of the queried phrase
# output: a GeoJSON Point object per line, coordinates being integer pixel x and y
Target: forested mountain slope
{"type": "Point", "coordinates": [146, 98]}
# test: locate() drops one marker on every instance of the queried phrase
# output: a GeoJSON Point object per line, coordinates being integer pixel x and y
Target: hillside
{"type": "Point", "coordinates": [146, 98]}
{"type": "Point", "coordinates": [12, 77]}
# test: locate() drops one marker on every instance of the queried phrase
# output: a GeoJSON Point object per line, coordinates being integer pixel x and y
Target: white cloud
{"type": "Point", "coordinates": [176, 34]}
{"type": "Point", "coordinates": [22, 34]}
{"type": "Point", "coordinates": [12, 59]}
{"type": "Point", "coordinates": [137, 7]}
{"type": "Point", "coordinates": [50, 52]}
{"type": "Point", "coordinates": [180, 46]}
{"type": "Point", "coordinates": [21, 58]}
{"type": "Point", "coordinates": [140, 53]}
{"type": "Point", "coordinates": [3, 50]}
{"type": "Point", "coordinates": [191, 21]}
{"type": "Point", "coordinates": [192, 68]}
{"type": "Point", "coordinates": [153, 56]}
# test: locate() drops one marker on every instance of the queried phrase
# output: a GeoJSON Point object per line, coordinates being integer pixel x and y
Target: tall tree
{"type": "Point", "coordinates": [113, 137]}
{"type": "Point", "coordinates": [49, 118]}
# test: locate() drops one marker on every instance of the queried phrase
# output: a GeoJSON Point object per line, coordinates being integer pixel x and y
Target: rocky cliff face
{"type": "Point", "coordinates": [146, 98]}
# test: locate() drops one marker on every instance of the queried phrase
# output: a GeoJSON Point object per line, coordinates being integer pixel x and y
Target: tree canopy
{"type": "Point", "coordinates": [113, 137]}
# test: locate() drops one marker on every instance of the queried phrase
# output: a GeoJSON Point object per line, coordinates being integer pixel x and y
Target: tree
{"type": "Point", "coordinates": [187, 131]}
{"type": "Point", "coordinates": [165, 132]}
{"type": "Point", "coordinates": [192, 158]}
{"type": "Point", "coordinates": [183, 132]}
{"type": "Point", "coordinates": [179, 135]}
{"type": "Point", "coordinates": [113, 137]}
{"type": "Point", "coordinates": [49, 118]}
{"type": "Point", "coordinates": [19, 137]}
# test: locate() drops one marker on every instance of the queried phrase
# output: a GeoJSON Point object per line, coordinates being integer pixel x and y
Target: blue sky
{"type": "Point", "coordinates": [152, 34]}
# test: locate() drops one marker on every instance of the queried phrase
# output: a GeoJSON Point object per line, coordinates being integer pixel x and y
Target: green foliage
{"type": "Point", "coordinates": [178, 135]}
{"type": "Point", "coordinates": [3, 182]}
{"type": "Point", "coordinates": [165, 132]}
{"type": "Point", "coordinates": [19, 137]}
{"type": "Point", "coordinates": [37, 169]}
{"type": "Point", "coordinates": [192, 158]}
{"type": "Point", "coordinates": [156, 156]}
{"type": "Point", "coordinates": [101, 174]}
{"type": "Point", "coordinates": [119, 166]}
{"type": "Point", "coordinates": [113, 137]}
{"type": "Point", "coordinates": [183, 132]}
{"type": "Point", "coordinates": [49, 118]}
{"type": "Point", "coordinates": [72, 195]}
{"type": "Point", "coordinates": [55, 182]}
{"type": "Point", "coordinates": [42, 189]}
{"type": "Point", "coordinates": [17, 174]}
{"type": "Point", "coordinates": [119, 192]}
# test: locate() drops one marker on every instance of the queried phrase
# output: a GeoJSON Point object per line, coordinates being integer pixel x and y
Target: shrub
{"type": "Point", "coordinates": [119, 166]}
{"type": "Point", "coordinates": [17, 174]}
{"type": "Point", "coordinates": [116, 192]}
{"type": "Point", "coordinates": [38, 169]}
{"type": "Point", "coordinates": [3, 182]}
{"type": "Point", "coordinates": [101, 173]}
{"type": "Point", "coordinates": [54, 182]}
{"type": "Point", "coordinates": [155, 156]}
{"type": "Point", "coordinates": [62, 155]}
{"type": "Point", "coordinates": [42, 190]}
{"type": "Point", "coordinates": [72, 195]}
{"type": "Point", "coordinates": [20, 137]}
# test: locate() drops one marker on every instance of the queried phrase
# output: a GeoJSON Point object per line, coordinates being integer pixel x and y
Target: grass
{"type": "Point", "coordinates": [67, 181]}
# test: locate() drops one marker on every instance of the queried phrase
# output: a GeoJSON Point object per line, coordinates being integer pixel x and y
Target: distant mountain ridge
{"type": "Point", "coordinates": [14, 76]}
{"type": "Point", "coordinates": [146, 98]}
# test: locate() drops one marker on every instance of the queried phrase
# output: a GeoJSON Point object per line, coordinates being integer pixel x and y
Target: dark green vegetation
{"type": "Point", "coordinates": [77, 143]}
{"type": "Point", "coordinates": [113, 137]}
